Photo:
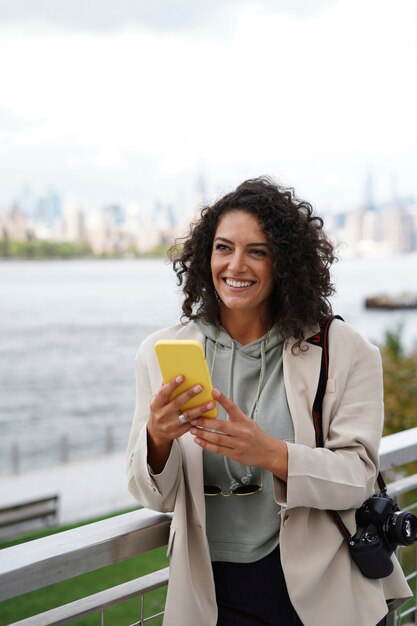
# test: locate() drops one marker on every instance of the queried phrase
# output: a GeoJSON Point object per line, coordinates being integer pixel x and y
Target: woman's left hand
{"type": "Point", "coordinates": [241, 439]}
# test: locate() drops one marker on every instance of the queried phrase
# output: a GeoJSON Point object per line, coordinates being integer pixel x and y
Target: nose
{"type": "Point", "coordinates": [237, 262]}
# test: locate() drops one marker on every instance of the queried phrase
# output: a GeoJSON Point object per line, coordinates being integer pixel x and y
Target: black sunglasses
{"type": "Point", "coordinates": [241, 490]}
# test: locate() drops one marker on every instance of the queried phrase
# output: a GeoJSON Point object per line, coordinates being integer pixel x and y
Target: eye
{"type": "Point", "coordinates": [258, 252]}
{"type": "Point", "coordinates": [221, 247]}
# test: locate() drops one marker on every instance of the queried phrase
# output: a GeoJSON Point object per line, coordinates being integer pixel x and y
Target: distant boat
{"type": "Point", "coordinates": [385, 301]}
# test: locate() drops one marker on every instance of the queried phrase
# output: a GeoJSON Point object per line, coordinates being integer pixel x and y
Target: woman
{"type": "Point", "coordinates": [255, 276]}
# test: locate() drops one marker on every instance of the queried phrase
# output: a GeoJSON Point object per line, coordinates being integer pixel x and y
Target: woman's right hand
{"type": "Point", "coordinates": [163, 423]}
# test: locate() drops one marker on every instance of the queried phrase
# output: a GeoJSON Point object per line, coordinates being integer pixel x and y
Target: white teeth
{"type": "Point", "coordinates": [238, 283]}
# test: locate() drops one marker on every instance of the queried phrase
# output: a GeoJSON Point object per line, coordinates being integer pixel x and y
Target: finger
{"type": "Point", "coordinates": [214, 442]}
{"type": "Point", "coordinates": [195, 412]}
{"type": "Point", "coordinates": [232, 409]}
{"type": "Point", "coordinates": [209, 423]}
{"type": "Point", "coordinates": [163, 396]}
{"type": "Point", "coordinates": [186, 395]}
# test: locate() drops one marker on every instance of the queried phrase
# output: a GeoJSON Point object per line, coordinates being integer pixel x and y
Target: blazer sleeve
{"type": "Point", "coordinates": [341, 475]}
{"type": "Point", "coordinates": [155, 491]}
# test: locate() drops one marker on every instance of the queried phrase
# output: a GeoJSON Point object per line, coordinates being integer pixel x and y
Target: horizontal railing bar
{"type": "Point", "coordinates": [67, 613]}
{"type": "Point", "coordinates": [408, 612]}
{"type": "Point", "coordinates": [398, 449]}
{"type": "Point", "coordinates": [70, 553]}
{"type": "Point", "coordinates": [402, 485]}
{"type": "Point", "coordinates": [151, 618]}
{"type": "Point", "coordinates": [144, 621]}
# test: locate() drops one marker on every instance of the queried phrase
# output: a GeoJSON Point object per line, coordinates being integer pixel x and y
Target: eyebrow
{"type": "Point", "coordinates": [248, 244]}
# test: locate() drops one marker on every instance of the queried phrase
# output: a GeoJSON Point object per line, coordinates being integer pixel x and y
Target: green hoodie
{"type": "Point", "coordinates": [244, 529]}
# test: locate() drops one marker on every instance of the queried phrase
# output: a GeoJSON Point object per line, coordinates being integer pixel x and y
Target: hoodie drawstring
{"type": "Point", "coordinates": [247, 478]}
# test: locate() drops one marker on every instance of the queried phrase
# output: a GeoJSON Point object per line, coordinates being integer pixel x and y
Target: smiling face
{"type": "Point", "coordinates": [241, 266]}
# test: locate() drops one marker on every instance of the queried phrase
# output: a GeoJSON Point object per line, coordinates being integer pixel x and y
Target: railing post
{"type": "Point", "coordinates": [64, 449]}
{"type": "Point", "coordinates": [109, 440]}
{"type": "Point", "coordinates": [16, 458]}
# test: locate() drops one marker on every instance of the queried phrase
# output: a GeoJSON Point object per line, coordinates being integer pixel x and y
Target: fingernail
{"type": "Point", "coordinates": [193, 430]}
{"type": "Point", "coordinates": [179, 379]}
{"type": "Point", "coordinates": [198, 388]}
{"type": "Point", "coordinates": [210, 405]}
{"type": "Point", "coordinates": [216, 393]}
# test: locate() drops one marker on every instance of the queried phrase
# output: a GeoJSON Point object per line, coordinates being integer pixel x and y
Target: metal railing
{"type": "Point", "coordinates": [25, 568]}
{"type": "Point", "coordinates": [18, 456]}
{"type": "Point", "coordinates": [28, 567]}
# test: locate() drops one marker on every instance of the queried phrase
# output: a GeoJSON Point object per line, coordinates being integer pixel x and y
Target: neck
{"type": "Point", "coordinates": [243, 328]}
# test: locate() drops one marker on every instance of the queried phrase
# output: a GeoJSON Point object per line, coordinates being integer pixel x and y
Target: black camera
{"type": "Point", "coordinates": [381, 528]}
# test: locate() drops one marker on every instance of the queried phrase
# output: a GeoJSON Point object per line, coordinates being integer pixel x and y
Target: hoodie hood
{"type": "Point", "coordinates": [217, 334]}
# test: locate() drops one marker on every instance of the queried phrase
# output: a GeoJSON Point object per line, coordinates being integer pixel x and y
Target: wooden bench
{"type": "Point", "coordinates": [29, 515]}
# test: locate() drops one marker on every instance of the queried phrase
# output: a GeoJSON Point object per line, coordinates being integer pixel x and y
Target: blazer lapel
{"type": "Point", "coordinates": [192, 453]}
{"type": "Point", "coordinates": [193, 473]}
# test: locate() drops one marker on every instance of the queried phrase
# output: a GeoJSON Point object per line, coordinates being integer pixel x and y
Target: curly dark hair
{"type": "Point", "coordinates": [302, 256]}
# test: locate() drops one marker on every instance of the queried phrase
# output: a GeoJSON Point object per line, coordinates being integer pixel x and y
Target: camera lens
{"type": "Point", "coordinates": [401, 528]}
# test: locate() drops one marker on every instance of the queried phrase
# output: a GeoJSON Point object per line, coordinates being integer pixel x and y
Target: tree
{"type": "Point", "coordinates": [400, 382]}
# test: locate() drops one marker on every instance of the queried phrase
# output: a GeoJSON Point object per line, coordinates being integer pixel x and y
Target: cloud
{"type": "Point", "coordinates": [9, 122]}
{"type": "Point", "coordinates": [133, 111]}
{"type": "Point", "coordinates": [162, 15]}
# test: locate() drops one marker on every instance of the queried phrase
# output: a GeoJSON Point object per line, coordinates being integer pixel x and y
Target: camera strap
{"type": "Point", "coordinates": [322, 340]}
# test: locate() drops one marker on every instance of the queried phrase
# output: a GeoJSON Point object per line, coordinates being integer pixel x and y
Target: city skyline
{"type": "Point", "coordinates": [371, 228]}
{"type": "Point", "coordinates": [190, 199]}
{"type": "Point", "coordinates": [132, 101]}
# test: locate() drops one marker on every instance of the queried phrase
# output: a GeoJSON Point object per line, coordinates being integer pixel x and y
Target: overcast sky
{"type": "Point", "coordinates": [118, 100]}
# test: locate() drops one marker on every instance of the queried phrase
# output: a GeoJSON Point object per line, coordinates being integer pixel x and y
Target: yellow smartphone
{"type": "Point", "coordinates": [186, 357]}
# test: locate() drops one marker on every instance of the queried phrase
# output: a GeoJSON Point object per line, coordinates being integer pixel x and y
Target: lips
{"type": "Point", "coordinates": [238, 283]}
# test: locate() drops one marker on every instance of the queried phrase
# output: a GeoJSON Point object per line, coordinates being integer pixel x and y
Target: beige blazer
{"type": "Point", "coordinates": [324, 584]}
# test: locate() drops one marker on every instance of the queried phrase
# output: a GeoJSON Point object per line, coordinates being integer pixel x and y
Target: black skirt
{"type": "Point", "coordinates": [254, 594]}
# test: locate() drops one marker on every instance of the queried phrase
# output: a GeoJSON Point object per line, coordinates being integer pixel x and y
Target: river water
{"type": "Point", "coordinates": [69, 331]}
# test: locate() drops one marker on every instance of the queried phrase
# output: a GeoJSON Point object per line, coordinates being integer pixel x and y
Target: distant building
{"type": "Point", "coordinates": [369, 204]}
{"type": "Point", "coordinates": [398, 229]}
{"type": "Point", "coordinates": [74, 223]}
{"type": "Point", "coordinates": [116, 212]}
{"type": "Point", "coordinates": [14, 225]}
{"type": "Point", "coordinates": [377, 229]}
{"type": "Point", "coordinates": [148, 236]}
{"type": "Point", "coordinates": [105, 235]}
{"type": "Point", "coordinates": [352, 232]}
{"type": "Point", "coordinates": [27, 203]}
